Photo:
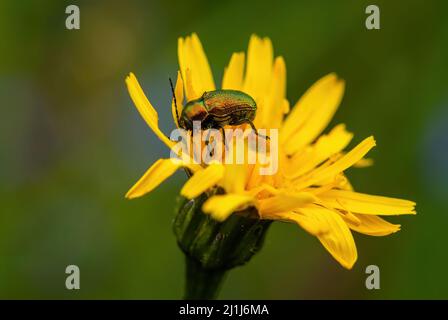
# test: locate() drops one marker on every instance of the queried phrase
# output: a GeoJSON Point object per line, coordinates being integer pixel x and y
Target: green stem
{"type": "Point", "coordinates": [202, 283]}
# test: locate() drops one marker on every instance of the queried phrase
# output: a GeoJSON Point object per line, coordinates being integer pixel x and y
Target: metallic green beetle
{"type": "Point", "coordinates": [218, 108]}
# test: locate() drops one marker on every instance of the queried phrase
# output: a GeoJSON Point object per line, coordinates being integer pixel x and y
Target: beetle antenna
{"type": "Point", "coordinates": [175, 101]}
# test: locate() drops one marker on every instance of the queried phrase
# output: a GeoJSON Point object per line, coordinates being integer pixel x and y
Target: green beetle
{"type": "Point", "coordinates": [218, 108]}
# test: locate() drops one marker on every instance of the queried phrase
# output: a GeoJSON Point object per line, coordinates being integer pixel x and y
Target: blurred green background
{"type": "Point", "coordinates": [72, 143]}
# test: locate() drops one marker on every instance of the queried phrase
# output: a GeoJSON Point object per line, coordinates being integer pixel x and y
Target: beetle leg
{"type": "Point", "coordinates": [256, 132]}
{"type": "Point", "coordinates": [207, 140]}
{"type": "Point", "coordinates": [207, 143]}
{"type": "Point", "coordinates": [223, 137]}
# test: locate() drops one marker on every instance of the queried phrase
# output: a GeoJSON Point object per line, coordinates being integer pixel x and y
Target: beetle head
{"type": "Point", "coordinates": [193, 111]}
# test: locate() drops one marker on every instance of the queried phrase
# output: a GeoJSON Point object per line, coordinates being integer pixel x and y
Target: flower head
{"type": "Point", "coordinates": [310, 187]}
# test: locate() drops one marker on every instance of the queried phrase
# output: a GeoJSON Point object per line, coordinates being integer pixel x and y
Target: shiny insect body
{"type": "Point", "coordinates": [218, 108]}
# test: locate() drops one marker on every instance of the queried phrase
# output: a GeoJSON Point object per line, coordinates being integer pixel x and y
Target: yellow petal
{"type": "Point", "coordinates": [363, 163]}
{"type": "Point", "coordinates": [179, 92]}
{"type": "Point", "coordinates": [312, 113]}
{"type": "Point", "coordinates": [270, 115]}
{"type": "Point", "coordinates": [283, 202]}
{"type": "Point", "coordinates": [343, 163]}
{"type": "Point", "coordinates": [367, 204]}
{"type": "Point", "coordinates": [339, 182]}
{"type": "Point", "coordinates": [265, 188]}
{"type": "Point", "coordinates": [236, 173]}
{"type": "Point", "coordinates": [345, 184]}
{"type": "Point", "coordinates": [222, 206]}
{"type": "Point", "coordinates": [153, 177]}
{"type": "Point", "coordinates": [191, 56]}
{"type": "Point", "coordinates": [259, 66]}
{"type": "Point", "coordinates": [193, 86]}
{"type": "Point", "coordinates": [338, 240]}
{"type": "Point", "coordinates": [192, 89]}
{"type": "Point", "coordinates": [325, 147]}
{"type": "Point", "coordinates": [373, 225]}
{"type": "Point", "coordinates": [145, 108]}
{"type": "Point", "coordinates": [310, 225]}
{"type": "Point", "coordinates": [349, 218]}
{"type": "Point", "coordinates": [233, 74]}
{"type": "Point", "coordinates": [202, 64]}
{"type": "Point", "coordinates": [234, 179]}
{"type": "Point", "coordinates": [203, 180]}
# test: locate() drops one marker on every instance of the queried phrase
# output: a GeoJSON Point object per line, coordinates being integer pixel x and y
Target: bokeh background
{"type": "Point", "coordinates": [72, 143]}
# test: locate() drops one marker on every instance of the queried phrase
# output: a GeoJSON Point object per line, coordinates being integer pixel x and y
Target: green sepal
{"type": "Point", "coordinates": [213, 247]}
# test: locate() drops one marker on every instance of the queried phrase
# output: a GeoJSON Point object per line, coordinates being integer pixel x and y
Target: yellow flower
{"type": "Point", "coordinates": [309, 188]}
